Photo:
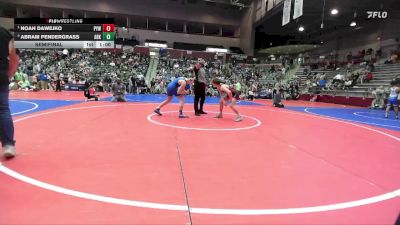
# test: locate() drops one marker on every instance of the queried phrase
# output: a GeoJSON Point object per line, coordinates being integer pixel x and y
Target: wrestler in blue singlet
{"type": "Point", "coordinates": [172, 88]}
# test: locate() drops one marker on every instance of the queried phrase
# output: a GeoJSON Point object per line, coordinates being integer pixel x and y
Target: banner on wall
{"type": "Point", "coordinates": [286, 12]}
{"type": "Point", "coordinates": [270, 4]}
{"type": "Point", "coordinates": [298, 9]}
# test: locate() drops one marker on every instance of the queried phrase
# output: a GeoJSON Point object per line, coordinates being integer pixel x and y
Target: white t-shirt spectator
{"type": "Point", "coordinates": [338, 77]}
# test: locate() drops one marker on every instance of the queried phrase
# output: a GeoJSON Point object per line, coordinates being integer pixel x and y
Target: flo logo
{"type": "Point", "coordinates": [377, 14]}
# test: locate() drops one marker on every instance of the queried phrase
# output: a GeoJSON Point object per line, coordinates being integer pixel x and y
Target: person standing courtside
{"type": "Point", "coordinates": [58, 82]}
{"type": "Point", "coordinates": [199, 87]}
{"type": "Point", "coordinates": [8, 66]}
{"type": "Point", "coordinates": [118, 89]}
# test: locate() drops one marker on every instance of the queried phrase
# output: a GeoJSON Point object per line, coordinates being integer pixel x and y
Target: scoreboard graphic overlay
{"type": "Point", "coordinates": [94, 33]}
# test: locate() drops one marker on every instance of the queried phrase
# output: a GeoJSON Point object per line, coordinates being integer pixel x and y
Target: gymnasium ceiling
{"type": "Point", "coordinates": [270, 33]}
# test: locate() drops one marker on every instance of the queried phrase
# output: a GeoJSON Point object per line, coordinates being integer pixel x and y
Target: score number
{"type": "Point", "coordinates": [108, 36]}
{"type": "Point", "coordinates": [108, 32]}
{"type": "Point", "coordinates": [108, 28]}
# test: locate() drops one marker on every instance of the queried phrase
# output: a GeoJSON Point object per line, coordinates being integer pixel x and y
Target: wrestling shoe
{"type": "Point", "coordinates": [158, 112]}
{"type": "Point", "coordinates": [238, 119]}
{"type": "Point", "coordinates": [183, 116]}
{"type": "Point", "coordinates": [8, 151]}
{"type": "Point", "coordinates": [219, 115]}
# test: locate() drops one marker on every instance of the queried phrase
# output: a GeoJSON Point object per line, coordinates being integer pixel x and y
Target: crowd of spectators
{"type": "Point", "coordinates": [43, 69]}
{"type": "Point", "coordinates": [256, 79]}
{"type": "Point", "coordinates": [341, 81]}
{"type": "Point", "coordinates": [356, 69]}
{"type": "Point", "coordinates": [100, 70]}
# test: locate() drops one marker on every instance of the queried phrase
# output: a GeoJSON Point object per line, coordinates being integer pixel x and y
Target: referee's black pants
{"type": "Point", "coordinates": [199, 96]}
{"type": "Point", "coordinates": [58, 86]}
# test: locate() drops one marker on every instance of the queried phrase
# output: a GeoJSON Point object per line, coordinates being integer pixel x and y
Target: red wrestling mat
{"type": "Point", "coordinates": [104, 163]}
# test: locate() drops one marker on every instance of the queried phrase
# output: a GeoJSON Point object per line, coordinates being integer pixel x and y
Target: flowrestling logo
{"type": "Point", "coordinates": [377, 14]}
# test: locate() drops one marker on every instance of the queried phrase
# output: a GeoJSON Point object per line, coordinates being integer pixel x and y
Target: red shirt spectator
{"type": "Point", "coordinates": [92, 90]}
{"type": "Point", "coordinates": [369, 76]}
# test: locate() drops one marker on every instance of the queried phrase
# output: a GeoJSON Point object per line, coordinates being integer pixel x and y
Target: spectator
{"type": "Point", "coordinates": [348, 83]}
{"type": "Point", "coordinates": [152, 86]}
{"type": "Point", "coordinates": [394, 57]}
{"type": "Point", "coordinates": [58, 83]}
{"type": "Point", "coordinates": [118, 90]}
{"type": "Point", "coordinates": [322, 83]}
{"type": "Point", "coordinates": [8, 67]}
{"type": "Point", "coordinates": [354, 78]}
{"type": "Point", "coordinates": [277, 96]}
{"type": "Point", "coordinates": [338, 79]}
{"type": "Point", "coordinates": [91, 93]}
{"type": "Point", "coordinates": [25, 85]}
{"type": "Point", "coordinates": [238, 87]}
{"type": "Point", "coordinates": [283, 71]}
{"type": "Point", "coordinates": [368, 77]}
{"type": "Point", "coordinates": [250, 96]}
{"type": "Point", "coordinates": [379, 98]}
{"type": "Point", "coordinates": [44, 84]}
{"type": "Point", "coordinates": [371, 66]}
{"type": "Point", "coordinates": [19, 76]}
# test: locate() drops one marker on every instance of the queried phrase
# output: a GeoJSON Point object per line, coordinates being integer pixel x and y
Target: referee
{"type": "Point", "coordinates": [199, 87]}
{"type": "Point", "coordinates": [8, 66]}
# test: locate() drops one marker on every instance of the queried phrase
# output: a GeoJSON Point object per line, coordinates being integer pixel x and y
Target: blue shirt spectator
{"type": "Point", "coordinates": [43, 77]}
{"type": "Point", "coordinates": [322, 83]}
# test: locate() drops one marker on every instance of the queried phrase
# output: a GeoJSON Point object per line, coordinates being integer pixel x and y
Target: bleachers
{"type": "Point", "coordinates": [81, 65]}
{"type": "Point", "coordinates": [152, 70]}
{"type": "Point", "coordinates": [383, 74]}
{"type": "Point", "coordinates": [329, 74]}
